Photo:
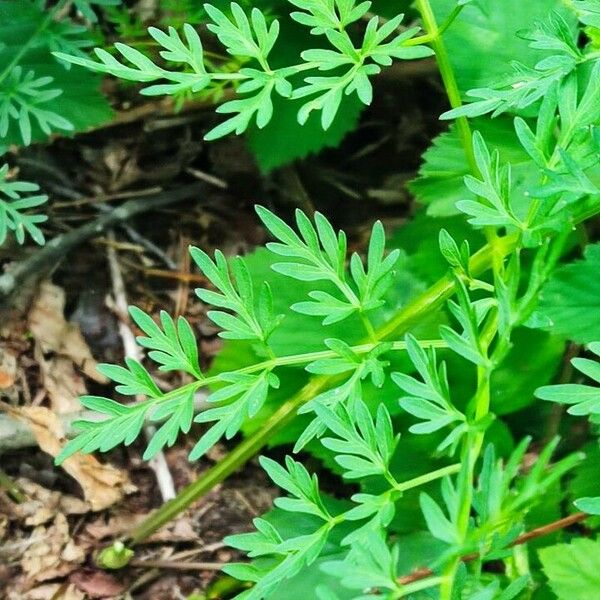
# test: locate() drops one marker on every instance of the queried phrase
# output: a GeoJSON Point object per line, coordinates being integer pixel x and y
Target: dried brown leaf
{"type": "Point", "coordinates": [103, 485]}
{"type": "Point", "coordinates": [42, 505]}
{"type": "Point", "coordinates": [178, 530]}
{"type": "Point", "coordinates": [48, 591]}
{"type": "Point", "coordinates": [96, 584]}
{"type": "Point", "coordinates": [54, 334]}
{"type": "Point", "coordinates": [53, 554]}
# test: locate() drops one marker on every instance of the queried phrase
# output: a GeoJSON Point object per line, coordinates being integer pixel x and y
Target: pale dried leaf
{"type": "Point", "coordinates": [62, 382]}
{"type": "Point", "coordinates": [54, 554]}
{"type": "Point", "coordinates": [49, 591]}
{"type": "Point", "coordinates": [102, 484]}
{"type": "Point", "coordinates": [54, 334]}
{"type": "Point", "coordinates": [178, 530]}
{"type": "Point", "coordinates": [42, 505]}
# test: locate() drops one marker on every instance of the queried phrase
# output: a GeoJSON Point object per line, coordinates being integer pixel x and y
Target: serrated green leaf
{"type": "Point", "coordinates": [570, 302]}
{"type": "Point", "coordinates": [573, 570]}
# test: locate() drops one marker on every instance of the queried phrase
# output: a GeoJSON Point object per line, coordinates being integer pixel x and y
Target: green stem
{"type": "Point", "coordinates": [400, 324]}
{"type": "Point", "coordinates": [470, 454]}
{"type": "Point", "coordinates": [291, 360]}
{"type": "Point", "coordinates": [453, 93]}
{"type": "Point", "coordinates": [447, 73]}
{"type": "Point", "coordinates": [429, 37]}
{"type": "Point", "coordinates": [411, 588]}
{"type": "Point", "coordinates": [474, 440]}
{"type": "Point", "coordinates": [231, 463]}
{"type": "Point", "coordinates": [428, 477]}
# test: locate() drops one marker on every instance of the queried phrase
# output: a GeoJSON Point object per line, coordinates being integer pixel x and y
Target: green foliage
{"type": "Point", "coordinates": [573, 570]}
{"type": "Point", "coordinates": [437, 478]}
{"type": "Point", "coordinates": [13, 204]}
{"type": "Point", "coordinates": [588, 11]}
{"type": "Point", "coordinates": [484, 42]}
{"type": "Point", "coordinates": [323, 256]}
{"type": "Point", "coordinates": [440, 184]}
{"type": "Point", "coordinates": [283, 140]}
{"type": "Point", "coordinates": [570, 301]}
{"type": "Point", "coordinates": [38, 94]}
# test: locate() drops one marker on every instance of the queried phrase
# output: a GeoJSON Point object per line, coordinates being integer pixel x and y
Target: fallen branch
{"type": "Point", "coordinates": [44, 260]}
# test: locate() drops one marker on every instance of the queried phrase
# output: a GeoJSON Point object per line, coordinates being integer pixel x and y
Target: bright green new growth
{"type": "Point", "coordinates": [244, 316]}
{"type": "Point", "coordinates": [252, 38]}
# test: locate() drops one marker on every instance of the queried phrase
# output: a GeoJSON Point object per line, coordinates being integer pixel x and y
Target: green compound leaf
{"type": "Point", "coordinates": [588, 12]}
{"type": "Point", "coordinates": [249, 317]}
{"type": "Point", "coordinates": [569, 304]}
{"type": "Point", "coordinates": [363, 446]}
{"type": "Point", "coordinates": [138, 67]}
{"type": "Point", "coordinates": [298, 483]}
{"type": "Point", "coordinates": [371, 562]}
{"type": "Point", "coordinates": [122, 426]}
{"type": "Point", "coordinates": [324, 15]}
{"type": "Point", "coordinates": [241, 398]}
{"type": "Point", "coordinates": [573, 570]}
{"type": "Point", "coordinates": [493, 190]}
{"type": "Point", "coordinates": [328, 91]}
{"type": "Point", "coordinates": [174, 346]}
{"type": "Point", "coordinates": [16, 199]}
{"type": "Point", "coordinates": [323, 254]}
{"type": "Point", "coordinates": [429, 399]}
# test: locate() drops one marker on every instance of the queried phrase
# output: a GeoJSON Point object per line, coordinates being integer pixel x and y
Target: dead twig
{"type": "Point", "coordinates": [158, 463]}
{"type": "Point", "coordinates": [44, 260]}
{"type": "Point", "coordinates": [176, 565]}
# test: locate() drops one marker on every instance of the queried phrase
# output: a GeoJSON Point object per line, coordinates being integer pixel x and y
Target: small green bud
{"type": "Point", "coordinates": [116, 556]}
